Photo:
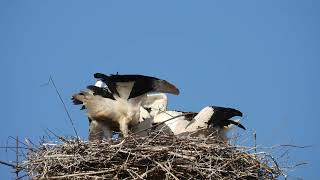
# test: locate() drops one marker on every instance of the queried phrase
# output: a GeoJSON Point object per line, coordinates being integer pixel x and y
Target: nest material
{"type": "Point", "coordinates": [159, 156]}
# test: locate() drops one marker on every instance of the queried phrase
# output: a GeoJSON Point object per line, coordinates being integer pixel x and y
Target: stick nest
{"type": "Point", "coordinates": [158, 156]}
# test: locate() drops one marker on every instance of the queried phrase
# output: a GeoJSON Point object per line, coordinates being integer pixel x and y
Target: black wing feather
{"type": "Point", "coordinates": [109, 82]}
{"type": "Point", "coordinates": [221, 117]}
{"type": "Point", "coordinates": [142, 84]}
{"type": "Point", "coordinates": [101, 92]}
{"type": "Point", "coordinates": [229, 121]}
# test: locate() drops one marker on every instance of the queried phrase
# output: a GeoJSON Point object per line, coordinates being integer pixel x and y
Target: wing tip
{"type": "Point", "coordinates": [99, 75]}
{"type": "Point", "coordinates": [241, 126]}
{"type": "Point", "coordinates": [230, 111]}
{"type": "Point", "coordinates": [166, 87]}
{"type": "Point", "coordinates": [236, 123]}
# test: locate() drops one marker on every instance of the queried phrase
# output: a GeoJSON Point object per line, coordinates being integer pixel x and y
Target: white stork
{"type": "Point", "coordinates": [210, 120]}
{"type": "Point", "coordinates": [117, 105]}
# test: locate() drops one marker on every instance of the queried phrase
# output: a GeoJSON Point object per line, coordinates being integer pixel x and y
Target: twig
{"type": "Point", "coordinates": [59, 137]}
{"type": "Point", "coordinates": [148, 171]}
{"type": "Point", "coordinates": [255, 141]}
{"type": "Point", "coordinates": [7, 164]}
{"type": "Point", "coordinates": [15, 139]}
{"type": "Point", "coordinates": [160, 165]}
{"type": "Point", "coordinates": [182, 156]}
{"type": "Point", "coordinates": [76, 174]}
{"type": "Point", "coordinates": [17, 158]}
{"type": "Point", "coordinates": [8, 147]}
{"type": "Point", "coordinates": [64, 106]}
{"type": "Point", "coordinates": [156, 125]}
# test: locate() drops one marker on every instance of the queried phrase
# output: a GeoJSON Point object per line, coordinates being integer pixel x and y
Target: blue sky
{"type": "Point", "coordinates": [261, 57]}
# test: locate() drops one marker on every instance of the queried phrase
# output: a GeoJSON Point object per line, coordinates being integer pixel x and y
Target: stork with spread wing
{"type": "Point", "coordinates": [116, 106]}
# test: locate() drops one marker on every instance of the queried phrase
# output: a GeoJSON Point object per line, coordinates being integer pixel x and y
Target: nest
{"type": "Point", "coordinates": [158, 156]}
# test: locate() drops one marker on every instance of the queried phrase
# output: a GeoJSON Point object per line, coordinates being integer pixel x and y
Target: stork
{"type": "Point", "coordinates": [210, 120]}
{"type": "Point", "coordinates": [115, 106]}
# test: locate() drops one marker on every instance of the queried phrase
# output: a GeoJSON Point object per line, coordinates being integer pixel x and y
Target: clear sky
{"type": "Point", "coordinates": [261, 57]}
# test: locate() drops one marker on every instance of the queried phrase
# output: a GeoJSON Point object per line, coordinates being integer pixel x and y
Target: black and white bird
{"type": "Point", "coordinates": [115, 106]}
{"type": "Point", "coordinates": [210, 120]}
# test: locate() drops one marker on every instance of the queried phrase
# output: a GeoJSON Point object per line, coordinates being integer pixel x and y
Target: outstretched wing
{"type": "Point", "coordinates": [131, 86]}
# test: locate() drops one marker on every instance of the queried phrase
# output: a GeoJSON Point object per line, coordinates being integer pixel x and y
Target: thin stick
{"type": "Point", "coordinates": [10, 147]}
{"type": "Point", "coordinates": [255, 141]}
{"type": "Point", "coordinates": [64, 105]}
{"type": "Point", "coordinates": [17, 158]}
{"type": "Point", "coordinates": [11, 137]}
{"type": "Point", "coordinates": [59, 137]}
{"type": "Point", "coordinates": [164, 168]}
{"type": "Point", "coordinates": [76, 174]}
{"type": "Point", "coordinates": [156, 125]}
{"type": "Point", "coordinates": [7, 164]}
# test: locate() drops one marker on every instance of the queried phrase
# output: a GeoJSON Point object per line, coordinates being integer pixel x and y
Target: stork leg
{"type": "Point", "coordinates": [95, 131]}
{"type": "Point", "coordinates": [124, 127]}
{"type": "Point", "coordinates": [107, 131]}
